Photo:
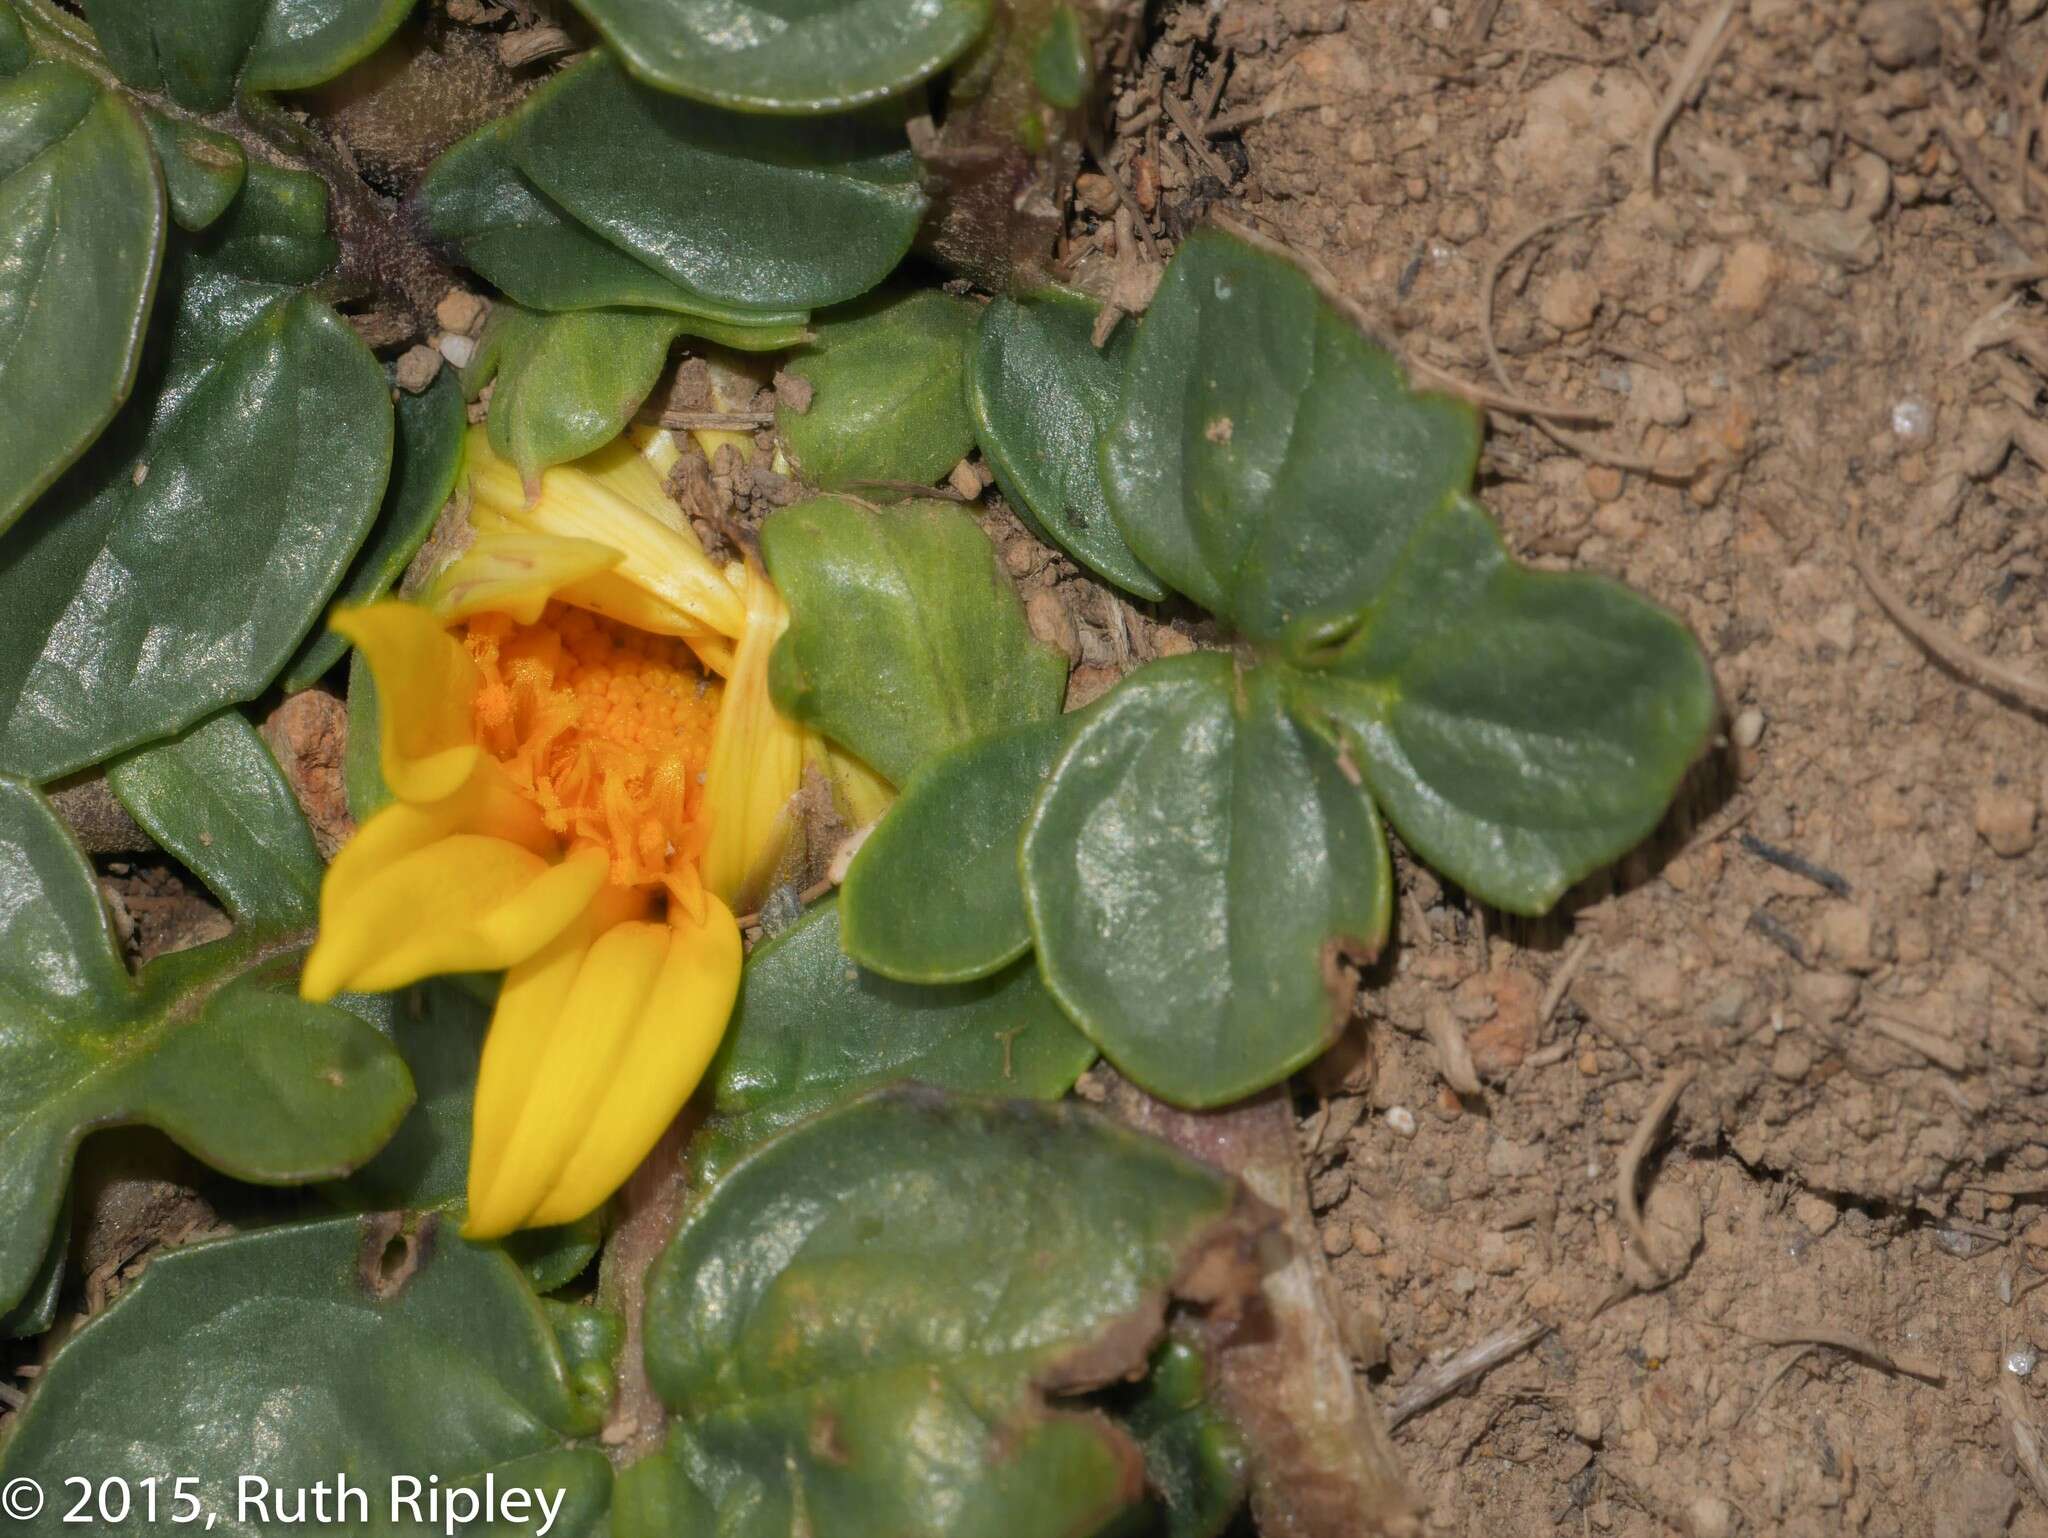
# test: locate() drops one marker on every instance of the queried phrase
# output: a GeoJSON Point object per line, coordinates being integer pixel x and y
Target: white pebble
{"type": "Point", "coordinates": [1402, 1120]}
{"type": "Point", "coordinates": [1749, 727]}
{"type": "Point", "coordinates": [458, 350]}
{"type": "Point", "coordinates": [2020, 1361]}
{"type": "Point", "coordinates": [1912, 420]}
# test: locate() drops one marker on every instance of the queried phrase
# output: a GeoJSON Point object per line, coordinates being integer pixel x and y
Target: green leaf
{"type": "Point", "coordinates": [933, 895]}
{"type": "Point", "coordinates": [276, 231]}
{"type": "Point", "coordinates": [1041, 394]}
{"type": "Point", "coordinates": [1520, 728]}
{"type": "Point", "coordinates": [905, 637]}
{"type": "Point", "coordinates": [198, 50]}
{"type": "Point", "coordinates": [208, 1045]}
{"type": "Point", "coordinates": [477, 200]}
{"type": "Point", "coordinates": [14, 50]}
{"type": "Point", "coordinates": [426, 459]}
{"type": "Point", "coordinates": [886, 392]}
{"type": "Point", "coordinates": [178, 569]}
{"type": "Point", "coordinates": [812, 1029]}
{"type": "Point", "coordinates": [362, 772]}
{"type": "Point", "coordinates": [37, 1310]}
{"type": "Point", "coordinates": [216, 799]}
{"type": "Point", "coordinates": [771, 214]}
{"type": "Point", "coordinates": [1266, 459]}
{"type": "Point", "coordinates": [1193, 869]}
{"type": "Point", "coordinates": [788, 56]}
{"type": "Point", "coordinates": [569, 383]}
{"type": "Point", "coordinates": [863, 1318]}
{"type": "Point", "coordinates": [438, 1028]}
{"type": "Point", "coordinates": [1195, 1457]}
{"type": "Point", "coordinates": [291, 1353]}
{"type": "Point", "coordinates": [203, 170]}
{"type": "Point", "coordinates": [81, 238]}
{"type": "Point", "coordinates": [1063, 63]}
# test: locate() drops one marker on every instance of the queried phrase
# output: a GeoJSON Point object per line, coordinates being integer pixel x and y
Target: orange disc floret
{"type": "Point", "coordinates": [606, 730]}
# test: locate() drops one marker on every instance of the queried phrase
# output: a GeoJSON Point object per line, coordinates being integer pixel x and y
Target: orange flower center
{"type": "Point", "coordinates": [606, 730]}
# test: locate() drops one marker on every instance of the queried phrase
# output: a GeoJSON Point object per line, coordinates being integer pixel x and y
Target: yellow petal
{"type": "Point", "coordinates": [673, 1042]}
{"type": "Point", "coordinates": [467, 902]}
{"type": "Point", "coordinates": [756, 765]}
{"type": "Point", "coordinates": [426, 691]}
{"type": "Point", "coordinates": [594, 1048]}
{"type": "Point", "coordinates": [657, 557]}
{"type": "Point", "coordinates": [506, 572]}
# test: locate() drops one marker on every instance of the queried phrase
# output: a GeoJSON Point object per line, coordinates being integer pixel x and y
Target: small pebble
{"type": "Point", "coordinates": [1748, 729]}
{"type": "Point", "coordinates": [1401, 1120]}
{"type": "Point", "coordinates": [2020, 1361]}
{"type": "Point", "coordinates": [2005, 820]}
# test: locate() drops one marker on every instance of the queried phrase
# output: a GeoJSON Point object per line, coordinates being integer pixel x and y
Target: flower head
{"type": "Point", "coordinates": [588, 776]}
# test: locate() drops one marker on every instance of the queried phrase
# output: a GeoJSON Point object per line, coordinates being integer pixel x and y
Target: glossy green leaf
{"type": "Point", "coordinates": [425, 461]}
{"type": "Point", "coordinates": [933, 896]}
{"type": "Point", "coordinates": [292, 1353]}
{"type": "Point", "coordinates": [438, 1028]}
{"type": "Point", "coordinates": [886, 403]}
{"type": "Point", "coordinates": [81, 238]}
{"type": "Point", "coordinates": [275, 231]}
{"type": "Point", "coordinates": [178, 569]}
{"type": "Point", "coordinates": [1266, 459]}
{"type": "Point", "coordinates": [1194, 868]}
{"type": "Point", "coordinates": [362, 774]}
{"type": "Point", "coordinates": [1063, 63]}
{"type": "Point", "coordinates": [1195, 1458]}
{"type": "Point", "coordinates": [37, 1310]}
{"type": "Point", "coordinates": [1041, 393]}
{"type": "Point", "coordinates": [197, 50]}
{"type": "Point", "coordinates": [905, 636]}
{"type": "Point", "coordinates": [813, 1029]}
{"type": "Point", "coordinates": [788, 56]}
{"type": "Point", "coordinates": [771, 214]}
{"type": "Point", "coordinates": [14, 50]}
{"type": "Point", "coordinates": [863, 1317]}
{"type": "Point", "coordinates": [203, 170]}
{"type": "Point", "coordinates": [568, 383]}
{"type": "Point", "coordinates": [476, 200]}
{"type": "Point", "coordinates": [211, 1046]}
{"type": "Point", "coordinates": [215, 798]}
{"type": "Point", "coordinates": [1521, 729]}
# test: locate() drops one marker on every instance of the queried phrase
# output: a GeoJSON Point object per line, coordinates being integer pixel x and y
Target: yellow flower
{"type": "Point", "coordinates": [588, 778]}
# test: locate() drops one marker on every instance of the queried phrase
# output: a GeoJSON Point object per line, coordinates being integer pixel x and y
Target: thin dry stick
{"type": "Point", "coordinates": [1124, 196]}
{"type": "Point", "coordinates": [1639, 1145]}
{"type": "Point", "coordinates": [1194, 137]}
{"type": "Point", "coordinates": [1854, 1345]}
{"type": "Point", "coordinates": [2026, 1436]}
{"type": "Point", "coordinates": [1561, 980]}
{"type": "Point", "coordinates": [1935, 1049]}
{"type": "Point", "coordinates": [714, 421]}
{"type": "Point", "coordinates": [1700, 56]}
{"type": "Point", "coordinates": [1436, 1383]}
{"type": "Point", "coordinates": [1271, 107]}
{"type": "Point", "coordinates": [1978, 175]}
{"type": "Point", "coordinates": [1547, 420]}
{"type": "Point", "coordinates": [1983, 672]}
{"type": "Point", "coordinates": [1792, 1359]}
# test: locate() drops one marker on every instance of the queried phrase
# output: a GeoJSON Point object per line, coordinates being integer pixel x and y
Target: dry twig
{"type": "Point", "coordinates": [1626, 1205]}
{"type": "Point", "coordinates": [1700, 56]}
{"type": "Point", "coordinates": [1547, 419]}
{"type": "Point", "coordinates": [1948, 1054]}
{"type": "Point", "coordinates": [1438, 1382]}
{"type": "Point", "coordinates": [1561, 980]}
{"type": "Point", "coordinates": [1985, 673]}
{"type": "Point", "coordinates": [1859, 1346]}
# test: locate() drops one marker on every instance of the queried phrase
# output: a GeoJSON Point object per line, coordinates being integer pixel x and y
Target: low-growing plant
{"type": "Point", "coordinates": [909, 1270]}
